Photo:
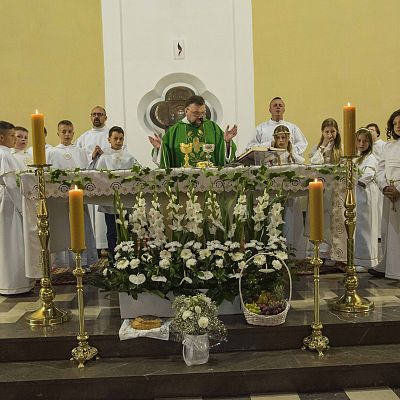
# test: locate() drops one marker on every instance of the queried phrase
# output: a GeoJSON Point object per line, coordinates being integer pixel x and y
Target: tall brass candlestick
{"type": "Point", "coordinates": [83, 352]}
{"type": "Point", "coordinates": [350, 302]}
{"type": "Point", "coordinates": [316, 341]}
{"type": "Point", "coordinates": [48, 313]}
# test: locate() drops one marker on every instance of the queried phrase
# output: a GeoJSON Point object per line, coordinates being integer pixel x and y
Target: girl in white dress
{"type": "Point", "coordinates": [377, 150]}
{"type": "Point", "coordinates": [328, 151]}
{"type": "Point", "coordinates": [388, 179]}
{"type": "Point", "coordinates": [366, 235]}
{"type": "Point", "coordinates": [293, 228]}
{"type": "Point", "coordinates": [329, 148]}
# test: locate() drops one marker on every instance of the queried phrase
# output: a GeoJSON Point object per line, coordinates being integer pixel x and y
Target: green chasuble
{"type": "Point", "coordinates": [207, 132]}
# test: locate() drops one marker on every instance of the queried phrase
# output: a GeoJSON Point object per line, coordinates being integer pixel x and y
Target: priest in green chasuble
{"type": "Point", "coordinates": [196, 129]}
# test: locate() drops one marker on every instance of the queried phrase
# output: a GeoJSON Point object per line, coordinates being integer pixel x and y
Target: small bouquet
{"type": "Point", "coordinates": [197, 315]}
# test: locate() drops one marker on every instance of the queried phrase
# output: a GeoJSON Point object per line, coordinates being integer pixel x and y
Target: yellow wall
{"type": "Point", "coordinates": [51, 59]}
{"type": "Point", "coordinates": [319, 54]}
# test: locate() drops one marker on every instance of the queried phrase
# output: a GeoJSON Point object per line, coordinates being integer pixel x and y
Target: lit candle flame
{"type": "Point", "coordinates": [37, 112]}
{"type": "Point", "coordinates": [315, 180]}
{"type": "Point", "coordinates": [348, 104]}
{"type": "Point", "coordinates": [76, 187]}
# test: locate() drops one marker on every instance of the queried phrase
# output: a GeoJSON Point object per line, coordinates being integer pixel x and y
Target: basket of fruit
{"type": "Point", "coordinates": [267, 307]}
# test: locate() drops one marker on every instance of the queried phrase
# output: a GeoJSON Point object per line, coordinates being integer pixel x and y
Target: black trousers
{"type": "Point", "coordinates": [111, 234]}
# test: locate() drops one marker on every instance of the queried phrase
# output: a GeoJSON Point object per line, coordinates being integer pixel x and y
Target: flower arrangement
{"type": "Point", "coordinates": [194, 244]}
{"type": "Point", "coordinates": [197, 315]}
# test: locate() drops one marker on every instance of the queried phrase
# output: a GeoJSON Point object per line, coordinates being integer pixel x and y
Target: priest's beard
{"type": "Point", "coordinates": [197, 122]}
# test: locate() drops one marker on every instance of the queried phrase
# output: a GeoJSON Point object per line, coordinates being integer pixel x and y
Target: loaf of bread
{"type": "Point", "coordinates": [146, 322]}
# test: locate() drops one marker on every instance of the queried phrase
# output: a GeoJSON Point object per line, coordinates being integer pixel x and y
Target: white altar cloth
{"type": "Point", "coordinates": [101, 185]}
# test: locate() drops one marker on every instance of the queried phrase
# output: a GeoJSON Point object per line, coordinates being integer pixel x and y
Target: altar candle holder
{"type": "Point", "coordinates": [83, 352]}
{"type": "Point", "coordinates": [48, 313]}
{"type": "Point", "coordinates": [316, 341]}
{"type": "Point", "coordinates": [351, 301]}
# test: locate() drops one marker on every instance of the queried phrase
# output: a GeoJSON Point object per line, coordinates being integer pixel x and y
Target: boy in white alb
{"type": "Point", "coordinates": [20, 151]}
{"type": "Point", "coordinates": [12, 257]}
{"type": "Point", "coordinates": [116, 159]}
{"type": "Point", "coordinates": [69, 156]}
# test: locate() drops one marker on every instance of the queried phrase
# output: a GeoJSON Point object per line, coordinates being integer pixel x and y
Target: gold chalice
{"type": "Point", "coordinates": [186, 149]}
{"type": "Point", "coordinates": [209, 148]}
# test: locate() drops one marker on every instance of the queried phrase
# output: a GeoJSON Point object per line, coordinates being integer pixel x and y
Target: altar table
{"type": "Point", "coordinates": [100, 187]}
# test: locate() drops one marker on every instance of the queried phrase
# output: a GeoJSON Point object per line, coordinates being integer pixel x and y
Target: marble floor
{"type": "Point", "coordinates": [102, 318]}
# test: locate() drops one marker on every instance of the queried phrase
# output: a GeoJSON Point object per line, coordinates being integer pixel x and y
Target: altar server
{"type": "Point", "coordinates": [117, 159]}
{"type": "Point", "coordinates": [95, 142]}
{"type": "Point", "coordinates": [20, 151]}
{"type": "Point", "coordinates": [388, 179]}
{"type": "Point", "coordinates": [12, 257]}
{"type": "Point", "coordinates": [68, 156]}
{"type": "Point", "coordinates": [366, 235]}
{"type": "Point", "coordinates": [264, 131]}
{"type": "Point", "coordinates": [293, 229]}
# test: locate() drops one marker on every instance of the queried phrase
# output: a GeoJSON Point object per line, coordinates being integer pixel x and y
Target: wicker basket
{"type": "Point", "coordinates": [265, 320]}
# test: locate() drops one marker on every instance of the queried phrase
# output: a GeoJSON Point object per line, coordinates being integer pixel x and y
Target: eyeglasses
{"type": "Point", "coordinates": [197, 113]}
{"type": "Point", "coordinates": [97, 114]}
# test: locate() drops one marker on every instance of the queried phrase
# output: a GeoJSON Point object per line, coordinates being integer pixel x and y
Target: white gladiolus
{"type": "Point", "coordinates": [205, 275]}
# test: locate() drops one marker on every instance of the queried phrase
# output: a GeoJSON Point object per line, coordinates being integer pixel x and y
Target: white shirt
{"type": "Point", "coordinates": [92, 138]}
{"type": "Point", "coordinates": [23, 158]}
{"type": "Point", "coordinates": [377, 148]}
{"type": "Point", "coordinates": [116, 159]}
{"type": "Point", "coordinates": [264, 135]}
{"type": "Point", "coordinates": [67, 157]}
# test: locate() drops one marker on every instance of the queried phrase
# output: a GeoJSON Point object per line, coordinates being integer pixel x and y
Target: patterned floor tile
{"type": "Point", "coordinates": [372, 394]}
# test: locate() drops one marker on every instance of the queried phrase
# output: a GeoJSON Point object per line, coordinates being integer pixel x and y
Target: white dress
{"type": "Point", "coordinates": [13, 278]}
{"type": "Point", "coordinates": [366, 235]}
{"type": "Point", "coordinates": [264, 135]}
{"type": "Point", "coordinates": [88, 141]}
{"type": "Point", "coordinates": [69, 157]}
{"type": "Point", "coordinates": [293, 228]}
{"type": "Point", "coordinates": [389, 170]}
{"type": "Point", "coordinates": [377, 152]}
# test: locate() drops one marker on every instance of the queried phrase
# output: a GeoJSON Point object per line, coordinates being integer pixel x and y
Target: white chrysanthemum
{"type": "Point", "coordinates": [276, 264]}
{"type": "Point", "coordinates": [237, 256]}
{"type": "Point", "coordinates": [164, 263]}
{"type": "Point", "coordinates": [186, 254]}
{"type": "Point", "coordinates": [282, 255]}
{"type": "Point", "coordinates": [191, 263]}
{"type": "Point", "coordinates": [204, 254]}
{"type": "Point", "coordinates": [134, 263]}
{"type": "Point", "coordinates": [203, 322]}
{"type": "Point", "coordinates": [260, 259]}
{"type": "Point", "coordinates": [122, 263]}
{"type": "Point", "coordinates": [137, 279]}
{"type": "Point", "coordinates": [219, 263]}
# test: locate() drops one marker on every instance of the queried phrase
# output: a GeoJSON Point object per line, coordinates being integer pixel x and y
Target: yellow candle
{"type": "Point", "coordinates": [38, 139]}
{"type": "Point", "coordinates": [76, 220]}
{"type": "Point", "coordinates": [349, 130]}
{"type": "Point", "coordinates": [316, 209]}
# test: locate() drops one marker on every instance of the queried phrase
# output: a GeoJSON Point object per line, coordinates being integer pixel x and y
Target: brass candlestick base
{"type": "Point", "coordinates": [350, 302]}
{"type": "Point", "coordinates": [84, 352]}
{"type": "Point", "coordinates": [186, 149]}
{"type": "Point", "coordinates": [316, 341]}
{"type": "Point", "coordinates": [48, 313]}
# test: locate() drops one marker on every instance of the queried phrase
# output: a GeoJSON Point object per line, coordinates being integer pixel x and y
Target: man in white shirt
{"type": "Point", "coordinates": [95, 143]}
{"type": "Point", "coordinates": [95, 140]}
{"type": "Point", "coordinates": [265, 131]}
